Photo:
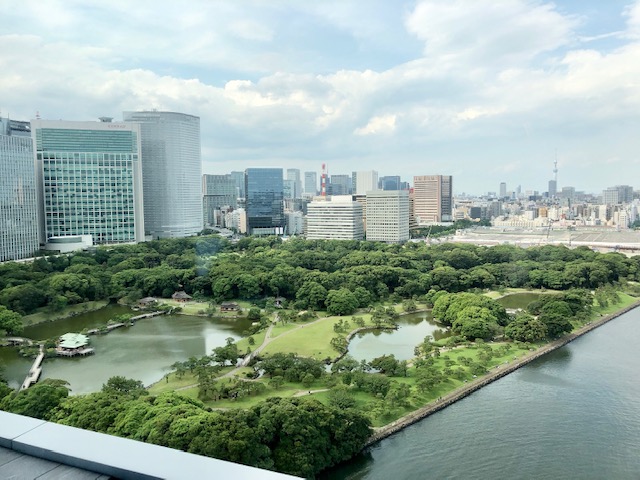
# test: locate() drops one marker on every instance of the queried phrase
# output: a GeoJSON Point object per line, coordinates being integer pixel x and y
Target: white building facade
{"type": "Point", "coordinates": [334, 218]}
{"type": "Point", "coordinates": [388, 216]}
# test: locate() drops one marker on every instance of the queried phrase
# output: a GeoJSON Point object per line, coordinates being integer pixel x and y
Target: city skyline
{"type": "Point", "coordinates": [404, 88]}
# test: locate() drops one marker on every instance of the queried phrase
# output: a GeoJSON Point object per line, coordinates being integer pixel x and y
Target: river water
{"type": "Point", "coordinates": [574, 413]}
{"type": "Point", "coordinates": [143, 352]}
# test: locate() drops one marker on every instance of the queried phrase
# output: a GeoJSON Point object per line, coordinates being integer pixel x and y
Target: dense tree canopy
{"type": "Point", "coordinates": [300, 436]}
{"type": "Point", "coordinates": [301, 271]}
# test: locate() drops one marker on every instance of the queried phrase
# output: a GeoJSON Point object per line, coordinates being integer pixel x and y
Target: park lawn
{"type": "Point", "coordinates": [188, 308]}
{"type": "Point", "coordinates": [625, 301]}
{"type": "Point", "coordinates": [44, 314]}
{"type": "Point", "coordinates": [287, 390]}
{"type": "Point", "coordinates": [493, 294]}
{"type": "Point", "coordinates": [200, 308]}
{"type": "Point", "coordinates": [243, 343]}
{"type": "Point", "coordinates": [172, 382]}
{"type": "Point", "coordinates": [308, 341]}
{"type": "Point", "coordinates": [279, 328]}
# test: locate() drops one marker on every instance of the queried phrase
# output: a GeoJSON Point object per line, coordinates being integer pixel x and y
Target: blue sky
{"type": "Point", "coordinates": [486, 91]}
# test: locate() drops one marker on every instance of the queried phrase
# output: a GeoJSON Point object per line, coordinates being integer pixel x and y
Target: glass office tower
{"type": "Point", "coordinates": [89, 180]}
{"type": "Point", "coordinates": [171, 172]}
{"type": "Point", "coordinates": [18, 207]}
{"type": "Point", "coordinates": [264, 201]}
{"type": "Point", "coordinates": [217, 191]}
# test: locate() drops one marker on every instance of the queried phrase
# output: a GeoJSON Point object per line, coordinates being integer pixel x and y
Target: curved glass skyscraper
{"type": "Point", "coordinates": [171, 172]}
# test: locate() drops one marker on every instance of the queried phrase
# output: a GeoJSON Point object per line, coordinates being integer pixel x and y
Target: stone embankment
{"type": "Point", "coordinates": [498, 372]}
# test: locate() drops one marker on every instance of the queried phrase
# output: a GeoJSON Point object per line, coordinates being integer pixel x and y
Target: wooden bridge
{"type": "Point", "coordinates": [35, 371]}
{"type": "Point", "coordinates": [18, 340]}
{"type": "Point", "coordinates": [113, 326]}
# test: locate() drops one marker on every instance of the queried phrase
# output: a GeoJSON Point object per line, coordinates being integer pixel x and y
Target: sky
{"type": "Point", "coordinates": [486, 91]}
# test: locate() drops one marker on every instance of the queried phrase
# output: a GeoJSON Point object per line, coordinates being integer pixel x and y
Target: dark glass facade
{"type": "Point", "coordinates": [264, 201]}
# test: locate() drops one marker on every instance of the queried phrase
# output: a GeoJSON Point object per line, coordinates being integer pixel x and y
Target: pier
{"type": "Point", "coordinates": [34, 371]}
{"type": "Point", "coordinates": [113, 326]}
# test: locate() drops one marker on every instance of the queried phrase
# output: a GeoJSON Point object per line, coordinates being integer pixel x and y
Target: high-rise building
{"type": "Point", "coordinates": [289, 189]}
{"type": "Point", "coordinates": [339, 185]}
{"type": "Point", "coordinates": [365, 181]}
{"type": "Point", "coordinates": [503, 189]}
{"type": "Point", "coordinates": [390, 183]}
{"type": "Point", "coordinates": [625, 193]}
{"type": "Point", "coordinates": [293, 174]}
{"type": "Point", "coordinates": [18, 205]}
{"type": "Point", "coordinates": [171, 172]}
{"type": "Point", "coordinates": [310, 183]}
{"type": "Point", "coordinates": [89, 178]}
{"type": "Point", "coordinates": [264, 201]}
{"type": "Point", "coordinates": [238, 178]}
{"type": "Point", "coordinates": [334, 218]}
{"type": "Point", "coordinates": [433, 198]}
{"type": "Point", "coordinates": [217, 191]}
{"type": "Point", "coordinates": [553, 188]}
{"type": "Point", "coordinates": [388, 216]}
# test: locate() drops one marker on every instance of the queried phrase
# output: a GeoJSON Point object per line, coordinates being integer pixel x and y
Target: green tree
{"type": "Point", "coordinates": [341, 397]}
{"type": "Point", "coordinates": [10, 321]}
{"type": "Point", "coordinates": [341, 302]}
{"type": "Point", "coordinates": [38, 401]}
{"type": "Point", "coordinates": [120, 385]}
{"type": "Point", "coordinates": [526, 328]}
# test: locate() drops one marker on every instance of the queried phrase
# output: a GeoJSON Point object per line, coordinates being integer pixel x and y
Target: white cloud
{"type": "Point", "coordinates": [487, 70]}
{"type": "Point", "coordinates": [488, 33]}
{"type": "Point", "coordinates": [379, 124]}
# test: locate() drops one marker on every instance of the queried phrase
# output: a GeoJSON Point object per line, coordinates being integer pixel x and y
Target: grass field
{"type": "Point", "coordinates": [44, 315]}
{"type": "Point", "coordinates": [312, 340]}
{"type": "Point", "coordinates": [200, 308]}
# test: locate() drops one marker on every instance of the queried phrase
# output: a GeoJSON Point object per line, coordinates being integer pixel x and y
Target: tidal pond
{"type": "Point", "coordinates": [412, 330]}
{"type": "Point", "coordinates": [144, 351]}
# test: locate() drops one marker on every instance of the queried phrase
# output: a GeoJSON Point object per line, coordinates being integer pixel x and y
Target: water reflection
{"type": "Point", "coordinates": [144, 351]}
{"type": "Point", "coordinates": [401, 342]}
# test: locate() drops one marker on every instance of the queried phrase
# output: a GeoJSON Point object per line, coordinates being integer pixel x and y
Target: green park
{"type": "Point", "coordinates": [304, 302]}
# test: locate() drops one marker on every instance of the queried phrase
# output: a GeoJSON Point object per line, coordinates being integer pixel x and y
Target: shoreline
{"type": "Point", "coordinates": [492, 376]}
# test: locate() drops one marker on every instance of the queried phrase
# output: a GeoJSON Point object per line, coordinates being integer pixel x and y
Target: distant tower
{"type": "Point", "coordinates": [323, 181]}
{"type": "Point", "coordinates": [553, 184]}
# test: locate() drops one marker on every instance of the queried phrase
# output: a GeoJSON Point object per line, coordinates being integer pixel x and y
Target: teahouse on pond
{"type": "Point", "coordinates": [72, 344]}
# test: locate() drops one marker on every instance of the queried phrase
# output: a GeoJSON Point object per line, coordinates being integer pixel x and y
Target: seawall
{"type": "Point", "coordinates": [492, 376]}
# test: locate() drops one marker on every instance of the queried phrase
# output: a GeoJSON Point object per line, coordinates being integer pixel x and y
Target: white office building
{"type": "Point", "coordinates": [334, 218]}
{"type": "Point", "coordinates": [388, 216]}
{"type": "Point", "coordinates": [365, 181]}
{"type": "Point", "coordinates": [171, 172]}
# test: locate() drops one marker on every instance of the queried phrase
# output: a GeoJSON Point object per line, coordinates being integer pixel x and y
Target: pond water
{"type": "Point", "coordinates": [413, 328]}
{"type": "Point", "coordinates": [43, 331]}
{"type": "Point", "coordinates": [143, 352]}
{"type": "Point", "coordinates": [518, 300]}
